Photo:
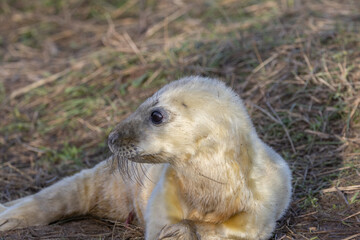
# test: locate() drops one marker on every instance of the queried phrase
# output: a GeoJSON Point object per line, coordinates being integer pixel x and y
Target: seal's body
{"type": "Point", "coordinates": [191, 167]}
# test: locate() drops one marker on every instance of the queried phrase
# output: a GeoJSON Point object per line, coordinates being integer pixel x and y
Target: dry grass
{"type": "Point", "coordinates": [70, 70]}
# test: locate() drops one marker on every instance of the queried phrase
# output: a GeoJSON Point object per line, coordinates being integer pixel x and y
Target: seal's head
{"type": "Point", "coordinates": [182, 120]}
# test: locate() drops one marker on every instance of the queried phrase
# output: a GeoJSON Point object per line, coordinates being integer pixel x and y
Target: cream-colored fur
{"type": "Point", "coordinates": [201, 173]}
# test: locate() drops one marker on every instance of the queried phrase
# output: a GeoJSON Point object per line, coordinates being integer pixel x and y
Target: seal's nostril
{"type": "Point", "coordinates": [113, 137]}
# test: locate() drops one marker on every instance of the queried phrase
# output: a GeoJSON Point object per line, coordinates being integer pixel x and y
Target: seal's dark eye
{"type": "Point", "coordinates": [156, 117]}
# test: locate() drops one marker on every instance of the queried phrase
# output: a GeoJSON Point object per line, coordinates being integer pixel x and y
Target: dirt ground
{"type": "Point", "coordinates": [70, 70]}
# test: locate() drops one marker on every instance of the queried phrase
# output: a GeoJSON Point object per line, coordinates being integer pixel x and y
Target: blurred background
{"type": "Point", "coordinates": [70, 70]}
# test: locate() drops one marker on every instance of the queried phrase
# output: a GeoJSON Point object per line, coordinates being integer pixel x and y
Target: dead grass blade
{"type": "Point", "coordinates": [346, 189]}
{"type": "Point", "coordinates": [44, 81]}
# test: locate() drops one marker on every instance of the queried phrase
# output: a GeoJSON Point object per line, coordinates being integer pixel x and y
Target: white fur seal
{"type": "Point", "coordinates": [202, 172]}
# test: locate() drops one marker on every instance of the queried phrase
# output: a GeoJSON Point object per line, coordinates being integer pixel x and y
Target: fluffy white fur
{"type": "Point", "coordinates": [208, 175]}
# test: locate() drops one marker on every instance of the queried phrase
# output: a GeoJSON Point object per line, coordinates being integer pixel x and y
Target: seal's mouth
{"type": "Point", "coordinates": [127, 151]}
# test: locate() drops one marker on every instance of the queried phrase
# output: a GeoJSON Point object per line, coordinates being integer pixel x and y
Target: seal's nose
{"type": "Point", "coordinates": [113, 137]}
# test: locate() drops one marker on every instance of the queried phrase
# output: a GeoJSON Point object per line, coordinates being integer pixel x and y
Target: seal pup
{"type": "Point", "coordinates": [201, 172]}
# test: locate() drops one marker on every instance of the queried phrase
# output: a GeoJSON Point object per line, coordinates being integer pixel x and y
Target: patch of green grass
{"type": "Point", "coordinates": [310, 200]}
{"type": "Point", "coordinates": [57, 4]}
{"type": "Point", "coordinates": [16, 127]}
{"type": "Point", "coordinates": [123, 88]}
{"type": "Point", "coordinates": [21, 123]}
{"type": "Point", "coordinates": [68, 153]}
{"type": "Point", "coordinates": [80, 107]}
{"type": "Point", "coordinates": [34, 36]}
{"type": "Point", "coordinates": [2, 92]}
{"type": "Point", "coordinates": [140, 80]}
{"type": "Point", "coordinates": [36, 93]}
{"type": "Point", "coordinates": [79, 91]}
{"type": "Point", "coordinates": [29, 37]}
{"type": "Point", "coordinates": [354, 198]}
